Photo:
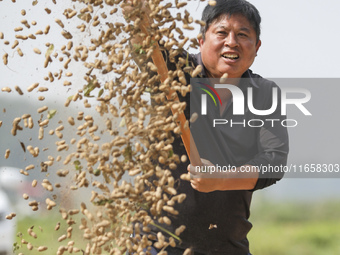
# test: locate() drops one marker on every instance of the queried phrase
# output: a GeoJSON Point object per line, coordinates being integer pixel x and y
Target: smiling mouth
{"type": "Point", "coordinates": [231, 56]}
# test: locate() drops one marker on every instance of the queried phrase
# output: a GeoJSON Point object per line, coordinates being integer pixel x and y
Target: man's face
{"type": "Point", "coordinates": [229, 46]}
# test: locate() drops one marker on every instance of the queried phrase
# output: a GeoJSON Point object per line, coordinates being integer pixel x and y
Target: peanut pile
{"type": "Point", "coordinates": [113, 152]}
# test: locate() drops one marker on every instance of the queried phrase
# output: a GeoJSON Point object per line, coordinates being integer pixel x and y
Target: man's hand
{"type": "Point", "coordinates": [204, 178]}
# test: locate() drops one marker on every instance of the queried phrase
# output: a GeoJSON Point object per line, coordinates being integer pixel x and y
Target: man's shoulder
{"type": "Point", "coordinates": [260, 82]}
{"type": "Point", "coordinates": [195, 59]}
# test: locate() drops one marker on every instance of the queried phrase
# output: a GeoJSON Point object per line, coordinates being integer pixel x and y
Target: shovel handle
{"type": "Point", "coordinates": [162, 70]}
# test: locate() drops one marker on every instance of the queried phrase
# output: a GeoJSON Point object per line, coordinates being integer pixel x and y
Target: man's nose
{"type": "Point", "coordinates": [231, 40]}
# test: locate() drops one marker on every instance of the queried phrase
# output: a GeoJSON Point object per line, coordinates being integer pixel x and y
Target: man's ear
{"type": "Point", "coordinates": [201, 42]}
{"type": "Point", "coordinates": [258, 45]}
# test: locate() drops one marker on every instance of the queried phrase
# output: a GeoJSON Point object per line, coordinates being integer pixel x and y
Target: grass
{"type": "Point", "coordinates": [295, 228]}
{"type": "Point", "coordinates": [303, 238]}
{"type": "Point", "coordinates": [44, 227]}
{"type": "Point", "coordinates": [279, 229]}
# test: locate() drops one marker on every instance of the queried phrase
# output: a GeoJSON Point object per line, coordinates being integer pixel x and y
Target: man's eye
{"type": "Point", "coordinates": [243, 35]}
{"type": "Point", "coordinates": [221, 32]}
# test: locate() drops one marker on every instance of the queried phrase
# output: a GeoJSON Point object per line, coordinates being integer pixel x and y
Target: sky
{"type": "Point", "coordinates": [300, 39]}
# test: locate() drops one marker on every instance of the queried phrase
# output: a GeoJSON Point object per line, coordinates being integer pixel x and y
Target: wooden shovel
{"type": "Point", "coordinates": [162, 70]}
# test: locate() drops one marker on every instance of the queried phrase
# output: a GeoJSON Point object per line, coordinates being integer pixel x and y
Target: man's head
{"type": "Point", "coordinates": [229, 7]}
{"type": "Point", "coordinates": [230, 38]}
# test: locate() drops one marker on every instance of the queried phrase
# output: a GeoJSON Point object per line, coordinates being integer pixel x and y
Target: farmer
{"type": "Point", "coordinates": [216, 209]}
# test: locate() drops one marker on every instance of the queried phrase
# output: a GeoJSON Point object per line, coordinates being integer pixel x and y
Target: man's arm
{"type": "Point", "coordinates": [240, 178]}
{"type": "Point", "coordinates": [256, 173]}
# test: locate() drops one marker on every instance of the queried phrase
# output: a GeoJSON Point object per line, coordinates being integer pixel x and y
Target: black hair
{"type": "Point", "coordinates": [229, 7]}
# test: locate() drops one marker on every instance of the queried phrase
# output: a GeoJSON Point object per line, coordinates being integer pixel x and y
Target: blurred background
{"type": "Point", "coordinates": [295, 216]}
